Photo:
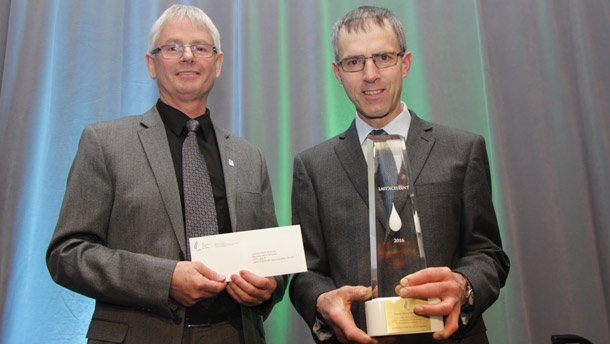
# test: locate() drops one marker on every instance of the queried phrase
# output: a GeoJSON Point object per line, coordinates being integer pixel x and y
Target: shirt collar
{"type": "Point", "coordinates": [175, 119]}
{"type": "Point", "coordinates": [398, 126]}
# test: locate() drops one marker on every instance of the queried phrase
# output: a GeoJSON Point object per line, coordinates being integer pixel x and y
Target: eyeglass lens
{"type": "Point", "coordinates": [174, 51]}
{"type": "Point", "coordinates": [356, 63]}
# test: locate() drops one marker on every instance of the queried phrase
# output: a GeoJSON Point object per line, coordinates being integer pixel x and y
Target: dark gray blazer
{"type": "Point", "coordinates": [453, 187]}
{"type": "Point", "coordinates": [120, 231]}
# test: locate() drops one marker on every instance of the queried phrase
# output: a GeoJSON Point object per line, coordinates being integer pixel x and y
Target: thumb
{"type": "Point", "coordinates": [361, 293]}
{"type": "Point", "coordinates": [209, 273]}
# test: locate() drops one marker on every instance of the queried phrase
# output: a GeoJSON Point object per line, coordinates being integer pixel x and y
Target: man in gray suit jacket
{"type": "Point", "coordinates": [120, 237]}
{"type": "Point", "coordinates": [449, 168]}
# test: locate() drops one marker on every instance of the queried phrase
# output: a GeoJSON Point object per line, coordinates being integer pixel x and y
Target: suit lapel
{"type": "Point", "coordinates": [419, 145]}
{"type": "Point", "coordinates": [154, 141]}
{"type": "Point", "coordinates": [225, 149]}
{"type": "Point", "coordinates": [349, 154]}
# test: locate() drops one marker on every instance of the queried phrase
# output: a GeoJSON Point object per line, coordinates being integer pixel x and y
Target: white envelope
{"type": "Point", "coordinates": [265, 252]}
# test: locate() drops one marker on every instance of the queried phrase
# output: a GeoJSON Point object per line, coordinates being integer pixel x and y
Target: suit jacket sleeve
{"type": "Point", "coordinates": [79, 257]}
{"type": "Point", "coordinates": [482, 259]}
{"type": "Point", "coordinates": [306, 287]}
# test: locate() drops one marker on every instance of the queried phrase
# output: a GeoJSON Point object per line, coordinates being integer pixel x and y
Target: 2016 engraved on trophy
{"type": "Point", "coordinates": [395, 240]}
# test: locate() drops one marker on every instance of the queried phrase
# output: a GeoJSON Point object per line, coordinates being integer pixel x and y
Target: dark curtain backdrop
{"type": "Point", "coordinates": [531, 76]}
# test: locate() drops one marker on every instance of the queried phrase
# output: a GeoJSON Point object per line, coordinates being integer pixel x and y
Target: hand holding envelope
{"type": "Point", "coordinates": [193, 282]}
{"type": "Point", "coordinates": [250, 289]}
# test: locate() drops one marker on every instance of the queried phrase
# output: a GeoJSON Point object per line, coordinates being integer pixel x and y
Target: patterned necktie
{"type": "Point", "coordinates": [199, 206]}
{"type": "Point", "coordinates": [385, 173]}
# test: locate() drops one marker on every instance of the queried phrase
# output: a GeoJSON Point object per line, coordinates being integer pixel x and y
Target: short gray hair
{"type": "Point", "coordinates": [179, 12]}
{"type": "Point", "coordinates": [361, 19]}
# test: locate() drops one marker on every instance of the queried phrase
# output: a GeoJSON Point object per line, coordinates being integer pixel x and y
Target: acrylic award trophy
{"type": "Point", "coordinates": [395, 240]}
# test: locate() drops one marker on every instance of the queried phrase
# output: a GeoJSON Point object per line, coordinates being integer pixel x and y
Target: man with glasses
{"type": "Point", "coordinates": [140, 186]}
{"type": "Point", "coordinates": [467, 266]}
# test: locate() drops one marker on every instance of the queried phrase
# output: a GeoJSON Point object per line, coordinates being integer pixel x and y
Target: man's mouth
{"type": "Point", "coordinates": [372, 93]}
{"type": "Point", "coordinates": [187, 73]}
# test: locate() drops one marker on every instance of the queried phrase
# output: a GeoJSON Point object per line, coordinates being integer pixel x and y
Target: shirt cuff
{"type": "Point", "coordinates": [322, 331]}
{"type": "Point", "coordinates": [465, 317]}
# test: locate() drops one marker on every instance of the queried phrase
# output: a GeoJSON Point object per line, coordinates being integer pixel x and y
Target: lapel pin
{"type": "Point", "coordinates": [231, 163]}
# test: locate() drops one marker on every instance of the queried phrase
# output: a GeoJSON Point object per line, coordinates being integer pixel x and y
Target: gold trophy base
{"type": "Point", "coordinates": [387, 316]}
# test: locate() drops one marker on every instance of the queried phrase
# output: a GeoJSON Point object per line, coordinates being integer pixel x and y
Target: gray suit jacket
{"type": "Point", "coordinates": [120, 231]}
{"type": "Point", "coordinates": [453, 187]}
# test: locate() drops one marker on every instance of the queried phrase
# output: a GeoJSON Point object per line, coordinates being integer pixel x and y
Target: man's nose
{"type": "Point", "coordinates": [370, 70]}
{"type": "Point", "coordinates": [187, 53]}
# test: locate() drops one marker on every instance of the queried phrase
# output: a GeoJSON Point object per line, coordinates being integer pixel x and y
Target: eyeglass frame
{"type": "Point", "coordinates": [398, 54]}
{"type": "Point", "coordinates": [159, 50]}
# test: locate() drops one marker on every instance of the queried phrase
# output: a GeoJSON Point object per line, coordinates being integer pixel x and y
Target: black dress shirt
{"type": "Point", "coordinates": [175, 121]}
{"type": "Point", "coordinates": [223, 306]}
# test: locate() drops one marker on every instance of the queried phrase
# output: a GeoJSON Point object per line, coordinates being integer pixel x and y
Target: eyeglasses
{"type": "Point", "coordinates": [175, 51]}
{"type": "Point", "coordinates": [381, 60]}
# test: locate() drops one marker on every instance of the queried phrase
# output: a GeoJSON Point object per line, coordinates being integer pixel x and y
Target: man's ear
{"type": "Point", "coordinates": [337, 72]}
{"type": "Point", "coordinates": [219, 59]}
{"type": "Point", "coordinates": [406, 63]}
{"type": "Point", "coordinates": [150, 63]}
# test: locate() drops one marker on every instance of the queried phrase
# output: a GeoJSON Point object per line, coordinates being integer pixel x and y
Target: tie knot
{"type": "Point", "coordinates": [192, 125]}
{"type": "Point", "coordinates": [378, 132]}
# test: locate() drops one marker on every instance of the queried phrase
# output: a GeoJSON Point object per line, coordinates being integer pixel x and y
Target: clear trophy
{"type": "Point", "coordinates": [395, 239]}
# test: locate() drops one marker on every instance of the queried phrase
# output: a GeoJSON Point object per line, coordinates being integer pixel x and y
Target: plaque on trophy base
{"type": "Point", "coordinates": [396, 241]}
{"type": "Point", "coordinates": [394, 315]}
